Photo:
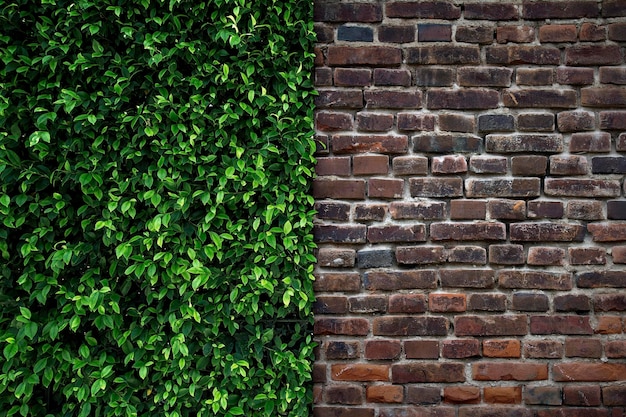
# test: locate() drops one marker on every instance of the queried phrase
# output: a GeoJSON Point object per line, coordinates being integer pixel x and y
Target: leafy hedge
{"type": "Point", "coordinates": [156, 244]}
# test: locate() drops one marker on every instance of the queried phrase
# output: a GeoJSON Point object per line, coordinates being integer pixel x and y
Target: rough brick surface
{"type": "Point", "coordinates": [471, 208]}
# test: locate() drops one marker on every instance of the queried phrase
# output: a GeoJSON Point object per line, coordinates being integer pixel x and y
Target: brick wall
{"type": "Point", "coordinates": [471, 209]}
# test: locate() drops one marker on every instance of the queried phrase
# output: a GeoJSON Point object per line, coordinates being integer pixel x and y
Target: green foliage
{"type": "Point", "coordinates": [156, 244]}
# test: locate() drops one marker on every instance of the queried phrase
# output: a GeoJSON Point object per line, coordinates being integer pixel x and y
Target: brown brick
{"type": "Point", "coordinates": [601, 279]}
{"type": "Point", "coordinates": [617, 31]}
{"type": "Point", "coordinates": [485, 76]}
{"type": "Point", "coordinates": [407, 303]}
{"type": "Point", "coordinates": [448, 164]}
{"type": "Point", "coordinates": [337, 281]}
{"type": "Point", "coordinates": [336, 258]}
{"type": "Point", "coordinates": [369, 212]}
{"type": "Point", "coordinates": [416, 122]}
{"type": "Point", "coordinates": [396, 233]}
{"type": "Point", "coordinates": [377, 99]}
{"type": "Point", "coordinates": [524, 142]}
{"type": "Point", "coordinates": [396, 34]}
{"type": "Point", "coordinates": [350, 99]}
{"type": "Point", "coordinates": [560, 324]}
{"type": "Point", "coordinates": [467, 254]}
{"type": "Point", "coordinates": [370, 164]}
{"type": "Point", "coordinates": [499, 325]}
{"type": "Point", "coordinates": [417, 394]}
{"type": "Point", "coordinates": [609, 325]}
{"type": "Point", "coordinates": [486, 302]}
{"type": "Point", "coordinates": [410, 326]}
{"type": "Point", "coordinates": [388, 144]}
{"type": "Point", "coordinates": [506, 254]}
{"type": "Point", "coordinates": [542, 395]}
{"type": "Point", "coordinates": [410, 165]}
{"type": "Point", "coordinates": [503, 395]}
{"type": "Point", "coordinates": [367, 304]}
{"type": "Point", "coordinates": [434, 32]}
{"type": "Point", "coordinates": [523, 301]}
{"type": "Point", "coordinates": [417, 210]}
{"type": "Point", "coordinates": [467, 278]}
{"type": "Point", "coordinates": [536, 122]}
{"type": "Point", "coordinates": [347, 12]}
{"type": "Point", "coordinates": [461, 394]}
{"type": "Point", "coordinates": [423, 10]}
{"type": "Point", "coordinates": [382, 349]}
{"type": "Point", "coordinates": [334, 165]}
{"type": "Point", "coordinates": [468, 231]}
{"type": "Point", "coordinates": [330, 305]}
{"type": "Point", "coordinates": [574, 76]}
{"type": "Point", "coordinates": [381, 56]}
{"type": "Point", "coordinates": [538, 209]}
{"type": "Point", "coordinates": [575, 121]}
{"type": "Point", "coordinates": [491, 11]}
{"type": "Point", "coordinates": [585, 371]}
{"type": "Point", "coordinates": [332, 210]}
{"type": "Point", "coordinates": [509, 371]}
{"type": "Point", "coordinates": [587, 256]}
{"type": "Point", "coordinates": [612, 75]}
{"type": "Point", "coordinates": [578, 303]}
{"type": "Point", "coordinates": [615, 349]}
{"type": "Point", "coordinates": [592, 32]}
{"type": "Point", "coordinates": [436, 187]}
{"type": "Point", "coordinates": [590, 55]}
{"type": "Point", "coordinates": [331, 121]}
{"type": "Point", "coordinates": [325, 33]}
{"type": "Point", "coordinates": [418, 255]}
{"type": "Point", "coordinates": [457, 123]}
{"type": "Point", "coordinates": [516, 187]}
{"type": "Point", "coordinates": [475, 34]}
{"type": "Point", "coordinates": [552, 10]}
{"type": "Point", "coordinates": [613, 8]}
{"type": "Point", "coordinates": [374, 122]}
{"type": "Point", "coordinates": [336, 233]}
{"type": "Point", "coordinates": [399, 280]}
{"type": "Point", "coordinates": [502, 348]}
{"type": "Point", "coordinates": [620, 144]}
{"type": "Point", "coordinates": [351, 77]}
{"type": "Point", "coordinates": [344, 394]}
{"type": "Point", "coordinates": [427, 372]}
{"type": "Point", "coordinates": [568, 165]}
{"type": "Point", "coordinates": [446, 302]}
{"type": "Point", "coordinates": [557, 33]}
{"type": "Point", "coordinates": [421, 349]}
{"type": "Point", "coordinates": [443, 55]}
{"type": "Point", "coordinates": [519, 55]}
{"type": "Point", "coordinates": [613, 120]}
{"type": "Point", "coordinates": [319, 372]}
{"type": "Point", "coordinates": [545, 255]}
{"type": "Point", "coordinates": [385, 394]}
{"type": "Point", "coordinates": [507, 209]}
{"type": "Point", "coordinates": [534, 76]}
{"type": "Point", "coordinates": [468, 209]}
{"type": "Point", "coordinates": [583, 348]}
{"type": "Point", "coordinates": [619, 254]}
{"type": "Point", "coordinates": [515, 33]}
{"type": "Point", "coordinates": [581, 395]}
{"type": "Point", "coordinates": [543, 349]}
{"type": "Point", "coordinates": [529, 165]}
{"type": "Point", "coordinates": [493, 411]}
{"type": "Point", "coordinates": [359, 372]}
{"type": "Point", "coordinates": [603, 97]}
{"type": "Point", "coordinates": [463, 99]}
{"type": "Point", "coordinates": [392, 77]}
{"type": "Point", "coordinates": [319, 411]}
{"type": "Point", "coordinates": [610, 302]}
{"type": "Point", "coordinates": [482, 164]}
{"type": "Point", "coordinates": [460, 348]}
{"type": "Point", "coordinates": [582, 187]}
{"type": "Point", "coordinates": [447, 143]}
{"type": "Point", "coordinates": [585, 210]}
{"type": "Point", "coordinates": [540, 98]}
{"type": "Point", "coordinates": [607, 232]}
{"type": "Point", "coordinates": [341, 326]}
{"type": "Point", "coordinates": [385, 188]}
{"type": "Point", "coordinates": [429, 76]}
{"type": "Point", "coordinates": [541, 280]}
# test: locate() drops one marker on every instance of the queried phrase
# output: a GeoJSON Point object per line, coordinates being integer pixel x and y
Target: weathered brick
{"type": "Point", "coordinates": [587, 256]}
{"type": "Point", "coordinates": [385, 393]}
{"type": "Point", "coordinates": [619, 254]}
{"type": "Point", "coordinates": [325, 33]}
{"type": "Point", "coordinates": [388, 144]}
{"type": "Point", "coordinates": [536, 122]}
{"type": "Point", "coordinates": [601, 279]}
{"type": "Point", "coordinates": [385, 188]}
{"type": "Point", "coordinates": [603, 97]}
{"type": "Point", "coordinates": [525, 301]}
{"type": "Point", "coordinates": [464, 99]}
{"type": "Point", "coordinates": [417, 394]}
{"type": "Point", "coordinates": [519, 55]}
{"type": "Point", "coordinates": [337, 281]}
{"type": "Point", "coordinates": [427, 372]}
{"type": "Point", "coordinates": [615, 349]}
{"type": "Point", "coordinates": [515, 33]}
{"type": "Point", "coordinates": [583, 348]}
{"type": "Point", "coordinates": [374, 258]}
{"type": "Point", "coordinates": [542, 395]}
{"type": "Point", "coordinates": [609, 325]}
{"type": "Point", "coordinates": [486, 302]}
{"type": "Point", "coordinates": [370, 164]}
{"type": "Point", "coordinates": [545, 256]}
{"type": "Point", "coordinates": [350, 99]}
{"type": "Point", "coordinates": [540, 98]}
{"type": "Point", "coordinates": [323, 77]}
{"type": "Point", "coordinates": [539, 209]}
{"type": "Point", "coordinates": [367, 304]}
{"type": "Point", "coordinates": [552, 10]}
{"type": "Point", "coordinates": [368, 212]}
{"type": "Point", "coordinates": [352, 77]}
{"type": "Point", "coordinates": [468, 209]}
{"type": "Point", "coordinates": [400, 280]}
{"type": "Point", "coordinates": [448, 164]}
{"type": "Point", "coordinates": [617, 31]}
{"type": "Point", "coordinates": [412, 255]}
{"type": "Point", "coordinates": [575, 121]}
{"type": "Point", "coordinates": [534, 143]}
{"type": "Point", "coordinates": [560, 324]}
{"type": "Point", "coordinates": [339, 233]}
{"type": "Point", "coordinates": [457, 123]}
{"type": "Point", "coordinates": [379, 56]}
{"type": "Point", "coordinates": [499, 325]}
{"type": "Point", "coordinates": [336, 349]}
{"type": "Point", "coordinates": [376, 99]}
{"type": "Point", "coordinates": [332, 121]}
{"type": "Point", "coordinates": [496, 123]}
{"type": "Point", "coordinates": [336, 258]}
{"type": "Point", "coordinates": [610, 302]}
{"type": "Point", "coordinates": [443, 55]}
{"type": "Point", "coordinates": [484, 76]}
{"type": "Point", "coordinates": [620, 143]}
{"type": "Point", "coordinates": [352, 33]}
{"type": "Point", "coordinates": [319, 411]}
{"type": "Point", "coordinates": [467, 254]}
{"type": "Point", "coordinates": [460, 348]}
{"type": "Point", "coordinates": [612, 75]}
{"type": "Point", "coordinates": [468, 231]}
{"type": "Point", "coordinates": [547, 232]}
{"type": "Point", "coordinates": [423, 10]}
{"type": "Point", "coordinates": [583, 395]}
{"type": "Point", "coordinates": [429, 76]}
{"type": "Point", "coordinates": [447, 143]}
{"type": "Point", "coordinates": [613, 8]}
{"type": "Point", "coordinates": [589, 55]}
{"type": "Point", "coordinates": [574, 76]}
{"type": "Point", "coordinates": [417, 210]}
{"type": "Point", "coordinates": [507, 209]}
{"type": "Point", "coordinates": [590, 142]}
{"type": "Point", "coordinates": [584, 210]}
{"type": "Point", "coordinates": [396, 34]}
{"type": "Point", "coordinates": [332, 210]}
{"type": "Point", "coordinates": [568, 165]}
{"type": "Point", "coordinates": [491, 11]}
{"type": "Point", "coordinates": [578, 303]}
{"type": "Point", "coordinates": [608, 165]}
{"type": "Point", "coordinates": [447, 302]}
{"type": "Point", "coordinates": [407, 303]}
{"type": "Point", "coordinates": [583, 187]}
{"type": "Point", "coordinates": [409, 326]}
{"type": "Point", "coordinates": [534, 76]}
{"type": "Point", "coordinates": [382, 349]}
{"type": "Point", "coordinates": [509, 371]}
{"type": "Point", "coordinates": [416, 121]}
{"type": "Point", "coordinates": [557, 33]}
{"type": "Point", "coordinates": [613, 120]}
{"type": "Point", "coordinates": [359, 372]}
{"type": "Point", "coordinates": [586, 371]}
{"type": "Point", "coordinates": [436, 187]}
{"type": "Point", "coordinates": [529, 165]}
{"type": "Point", "coordinates": [434, 32]}
{"type": "Point", "coordinates": [592, 32]}
{"type": "Point", "coordinates": [396, 233]}
{"type": "Point", "coordinates": [516, 187]}
{"type": "Point", "coordinates": [330, 305]}
{"type": "Point", "coordinates": [347, 12]}
{"type": "Point", "coordinates": [392, 77]}
{"type": "Point", "coordinates": [475, 34]}
{"type": "Point", "coordinates": [319, 372]}
{"type": "Point", "coordinates": [461, 394]}
{"type": "Point", "coordinates": [503, 395]}
{"type": "Point", "coordinates": [481, 164]}
{"type": "Point", "coordinates": [467, 278]}
{"type": "Point", "coordinates": [502, 348]}
{"type": "Point", "coordinates": [506, 254]}
{"type": "Point", "coordinates": [616, 209]}
{"type": "Point", "coordinates": [421, 349]}
{"type": "Point", "coordinates": [543, 349]}
{"type": "Point", "coordinates": [344, 394]}
{"type": "Point", "coordinates": [493, 411]}
{"type": "Point", "coordinates": [341, 326]}
{"type": "Point", "coordinates": [333, 166]}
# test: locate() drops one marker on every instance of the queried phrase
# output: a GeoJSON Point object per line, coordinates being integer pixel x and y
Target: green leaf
{"type": "Point", "coordinates": [10, 350]}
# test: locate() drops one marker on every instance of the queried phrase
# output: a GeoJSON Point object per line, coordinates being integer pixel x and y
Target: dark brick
{"type": "Point", "coordinates": [428, 76]}
{"type": "Point", "coordinates": [396, 233]}
{"type": "Point", "coordinates": [485, 76]}
{"type": "Point", "coordinates": [492, 325]}
{"type": "Point", "coordinates": [374, 122]}
{"type": "Point", "coordinates": [535, 280]}
{"type": "Point", "coordinates": [355, 33]}
{"type": "Point", "coordinates": [447, 143]}
{"type": "Point", "coordinates": [353, 77]}
{"type": "Point", "coordinates": [331, 210]}
{"type": "Point", "coordinates": [467, 278]}
{"type": "Point", "coordinates": [325, 33]}
{"type": "Point", "coordinates": [337, 281]}
{"type": "Point", "coordinates": [613, 120]}
{"type": "Point", "coordinates": [392, 77]}
{"type": "Point", "coordinates": [582, 395]}
{"type": "Point", "coordinates": [585, 210]}
{"type": "Point", "coordinates": [369, 212]}
{"type": "Point", "coordinates": [540, 98]}
{"type": "Point", "coordinates": [592, 32]}
{"type": "Point", "coordinates": [613, 75]}
{"type": "Point", "coordinates": [400, 280]}
{"type": "Point", "coordinates": [393, 99]}
{"type": "Point", "coordinates": [330, 305]}
{"type": "Point", "coordinates": [423, 395]}
{"type": "Point", "coordinates": [547, 232]}
{"type": "Point", "coordinates": [557, 33]}
{"type": "Point", "coordinates": [330, 121]}
{"type": "Point", "coordinates": [545, 255]}
{"type": "Point", "coordinates": [457, 123]}
{"type": "Point", "coordinates": [386, 144]}
{"type": "Point", "coordinates": [382, 56]}
{"type": "Point", "coordinates": [583, 348]}
{"type": "Point", "coordinates": [613, 8]}
{"type": "Point", "coordinates": [610, 302]}
{"type": "Point", "coordinates": [536, 122]}
{"type": "Point", "coordinates": [587, 256]}
{"type": "Point", "coordinates": [590, 142]}
{"type": "Point", "coordinates": [347, 12]}
{"type": "Point", "coordinates": [588, 188]}
{"type": "Point", "coordinates": [427, 372]}
{"type": "Point", "coordinates": [433, 32]}
{"type": "Point", "coordinates": [552, 10]}
{"type": "Point", "coordinates": [620, 143]}
{"type": "Point", "coordinates": [475, 34]}
{"type": "Point", "coordinates": [349, 99]}
{"type": "Point", "coordinates": [491, 188]}
{"type": "Point", "coordinates": [460, 348]}
{"type": "Point", "coordinates": [523, 301]}
{"type": "Point", "coordinates": [519, 55]}
{"type": "Point", "coordinates": [534, 76]}
{"type": "Point", "coordinates": [323, 77]}
{"type": "Point", "coordinates": [375, 258]}
{"type": "Point", "coordinates": [333, 166]}
{"type": "Point", "coordinates": [492, 411]}
{"type": "Point", "coordinates": [344, 394]}
{"type": "Point", "coordinates": [601, 279]}
{"type": "Point", "coordinates": [342, 350]}
{"type": "Point", "coordinates": [367, 304]}
{"type": "Point", "coordinates": [515, 33]}
{"type": "Point", "coordinates": [468, 231]}
{"type": "Point", "coordinates": [617, 31]}
{"type": "Point", "coordinates": [496, 123]}
{"type": "Point", "coordinates": [529, 165]}
{"type": "Point", "coordinates": [608, 165]}
{"type": "Point", "coordinates": [616, 209]}
{"type": "Point", "coordinates": [592, 55]}
{"type": "Point", "coordinates": [577, 303]}
{"type": "Point", "coordinates": [436, 187]}
{"type": "Point", "coordinates": [468, 209]}
{"type": "Point", "coordinates": [486, 302]}
{"type": "Point", "coordinates": [575, 121]}
{"type": "Point", "coordinates": [417, 210]}
{"type": "Point", "coordinates": [506, 254]}
{"type": "Point", "coordinates": [603, 97]}
{"type": "Point", "coordinates": [490, 11]}
{"type": "Point", "coordinates": [338, 188]}
{"type": "Point", "coordinates": [574, 76]}
{"type": "Point", "coordinates": [443, 55]}
{"type": "Point", "coordinates": [341, 326]}
{"type": "Point", "coordinates": [407, 303]}
{"type": "Point", "coordinates": [325, 233]}
{"type": "Point", "coordinates": [396, 34]}
{"type": "Point", "coordinates": [416, 121]}
{"type": "Point", "coordinates": [615, 349]}
{"type": "Point", "coordinates": [319, 411]}
{"type": "Point", "coordinates": [468, 254]}
{"type": "Point", "coordinates": [423, 10]}
{"type": "Point", "coordinates": [409, 326]}
{"type": "Point", "coordinates": [543, 349]}
{"type": "Point", "coordinates": [419, 255]}
{"type": "Point", "coordinates": [588, 371]}
{"type": "Point", "coordinates": [488, 164]}
{"type": "Point", "coordinates": [557, 324]}
{"type": "Point", "coordinates": [421, 349]}
{"type": "Point", "coordinates": [542, 395]}
{"type": "Point", "coordinates": [463, 99]}
{"type": "Point", "coordinates": [545, 209]}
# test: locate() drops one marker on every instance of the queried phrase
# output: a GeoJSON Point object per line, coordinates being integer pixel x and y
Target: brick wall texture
{"type": "Point", "coordinates": [471, 209]}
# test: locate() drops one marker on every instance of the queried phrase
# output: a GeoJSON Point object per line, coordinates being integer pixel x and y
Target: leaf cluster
{"type": "Point", "coordinates": [156, 244]}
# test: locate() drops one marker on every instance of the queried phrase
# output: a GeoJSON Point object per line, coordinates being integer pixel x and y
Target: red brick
{"type": "Point", "coordinates": [332, 121]}
{"type": "Point", "coordinates": [568, 165]}
{"type": "Point", "coordinates": [368, 212]}
{"type": "Point", "coordinates": [448, 164]}
{"type": "Point", "coordinates": [339, 233]}
{"type": "Point", "coordinates": [587, 256]}
{"type": "Point", "coordinates": [485, 76]}
{"type": "Point", "coordinates": [385, 188]}
{"type": "Point", "coordinates": [423, 10]}
{"type": "Point", "coordinates": [396, 34]}
{"type": "Point", "coordinates": [578, 303]}
{"type": "Point", "coordinates": [545, 209]}
{"type": "Point", "coordinates": [396, 233]}
{"type": "Point", "coordinates": [509, 325]}
{"type": "Point", "coordinates": [529, 165]}
{"type": "Point", "coordinates": [336, 258]}
{"type": "Point", "coordinates": [517, 55]}
{"type": "Point", "coordinates": [609, 325]}
{"type": "Point", "coordinates": [535, 122]}
{"type": "Point", "coordinates": [543, 395]}
{"type": "Point", "coordinates": [467, 278]}
{"type": "Point", "coordinates": [586, 187]}
{"type": "Point", "coordinates": [457, 123]}
{"type": "Point", "coordinates": [447, 143]}
{"type": "Point", "coordinates": [330, 305]}
{"type": "Point", "coordinates": [613, 120]}
{"type": "Point", "coordinates": [612, 75]}
{"type": "Point", "coordinates": [502, 348]}
{"type": "Point", "coordinates": [388, 144]}
{"type": "Point", "coordinates": [619, 254]}
{"type": "Point", "coordinates": [490, 188]}
{"type": "Point", "coordinates": [352, 77]}
{"type": "Point", "coordinates": [503, 395]}
{"type": "Point", "coordinates": [509, 371]}
{"type": "Point", "coordinates": [461, 394]}
{"type": "Point", "coordinates": [347, 12]}
{"type": "Point", "coordinates": [524, 142]}
{"type": "Point", "coordinates": [319, 411]}
{"type": "Point", "coordinates": [507, 209]}
{"type": "Point", "coordinates": [421, 349]}
{"type": "Point", "coordinates": [583, 348]}
{"type": "Point", "coordinates": [506, 254]}
{"type": "Point", "coordinates": [434, 32]}
{"type": "Point", "coordinates": [350, 99]}
{"type": "Point", "coordinates": [443, 55]}
{"type": "Point", "coordinates": [359, 372]}
{"type": "Point", "coordinates": [370, 164]}
{"type": "Point", "coordinates": [603, 97]}
{"type": "Point", "coordinates": [543, 349]}
{"type": "Point", "coordinates": [557, 33]}
{"type": "Point", "coordinates": [417, 210]}
{"type": "Point", "coordinates": [582, 395]}
{"type": "Point", "coordinates": [585, 210]}
{"type": "Point", "coordinates": [389, 99]}
{"type": "Point", "coordinates": [481, 164]}
{"type": "Point", "coordinates": [559, 324]}
{"type": "Point", "coordinates": [592, 32]}
{"type": "Point", "coordinates": [490, 11]}
{"type": "Point", "coordinates": [588, 372]}
{"type": "Point", "coordinates": [468, 209]}
{"type": "Point", "coordinates": [410, 326]}
{"type": "Point", "coordinates": [468, 231]}
{"type": "Point", "coordinates": [400, 280]}
{"type": "Point", "coordinates": [333, 166]}
{"type": "Point", "coordinates": [416, 121]}
{"type": "Point", "coordinates": [468, 255]}
{"type": "Point", "coordinates": [428, 372]}
{"type": "Point", "coordinates": [446, 303]}
{"type": "Point", "coordinates": [342, 350]}
{"type": "Point", "coordinates": [590, 55]}
{"type": "Point", "coordinates": [341, 326]}
{"type": "Point", "coordinates": [475, 34]}
{"type": "Point", "coordinates": [540, 98]}
{"type": "Point", "coordinates": [617, 31]}
{"type": "Point", "coordinates": [590, 142]}
{"type": "Point", "coordinates": [465, 99]}
{"type": "Point", "coordinates": [382, 56]}
{"type": "Point", "coordinates": [486, 302]}
{"type": "Point", "coordinates": [385, 394]}
{"type": "Point", "coordinates": [600, 279]}
{"type": "Point", "coordinates": [420, 255]}
{"type": "Point", "coordinates": [407, 303]}
{"type": "Point", "coordinates": [337, 281]}
{"type": "Point", "coordinates": [428, 76]}
{"type": "Point", "coordinates": [523, 301]}
{"type": "Point", "coordinates": [607, 232]}
{"type": "Point", "coordinates": [517, 34]}
{"type": "Point", "coordinates": [319, 372]}
{"type": "Point", "coordinates": [460, 348]}
{"type": "Point", "coordinates": [552, 10]}
{"type": "Point", "coordinates": [534, 76]}
{"type": "Point", "coordinates": [436, 187]}
{"type": "Point", "coordinates": [574, 76]}
{"type": "Point", "coordinates": [546, 256]}
{"type": "Point", "coordinates": [392, 77]}
{"type": "Point", "coordinates": [344, 394]}
{"type": "Point", "coordinates": [610, 302]}
{"type": "Point", "coordinates": [615, 349]}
